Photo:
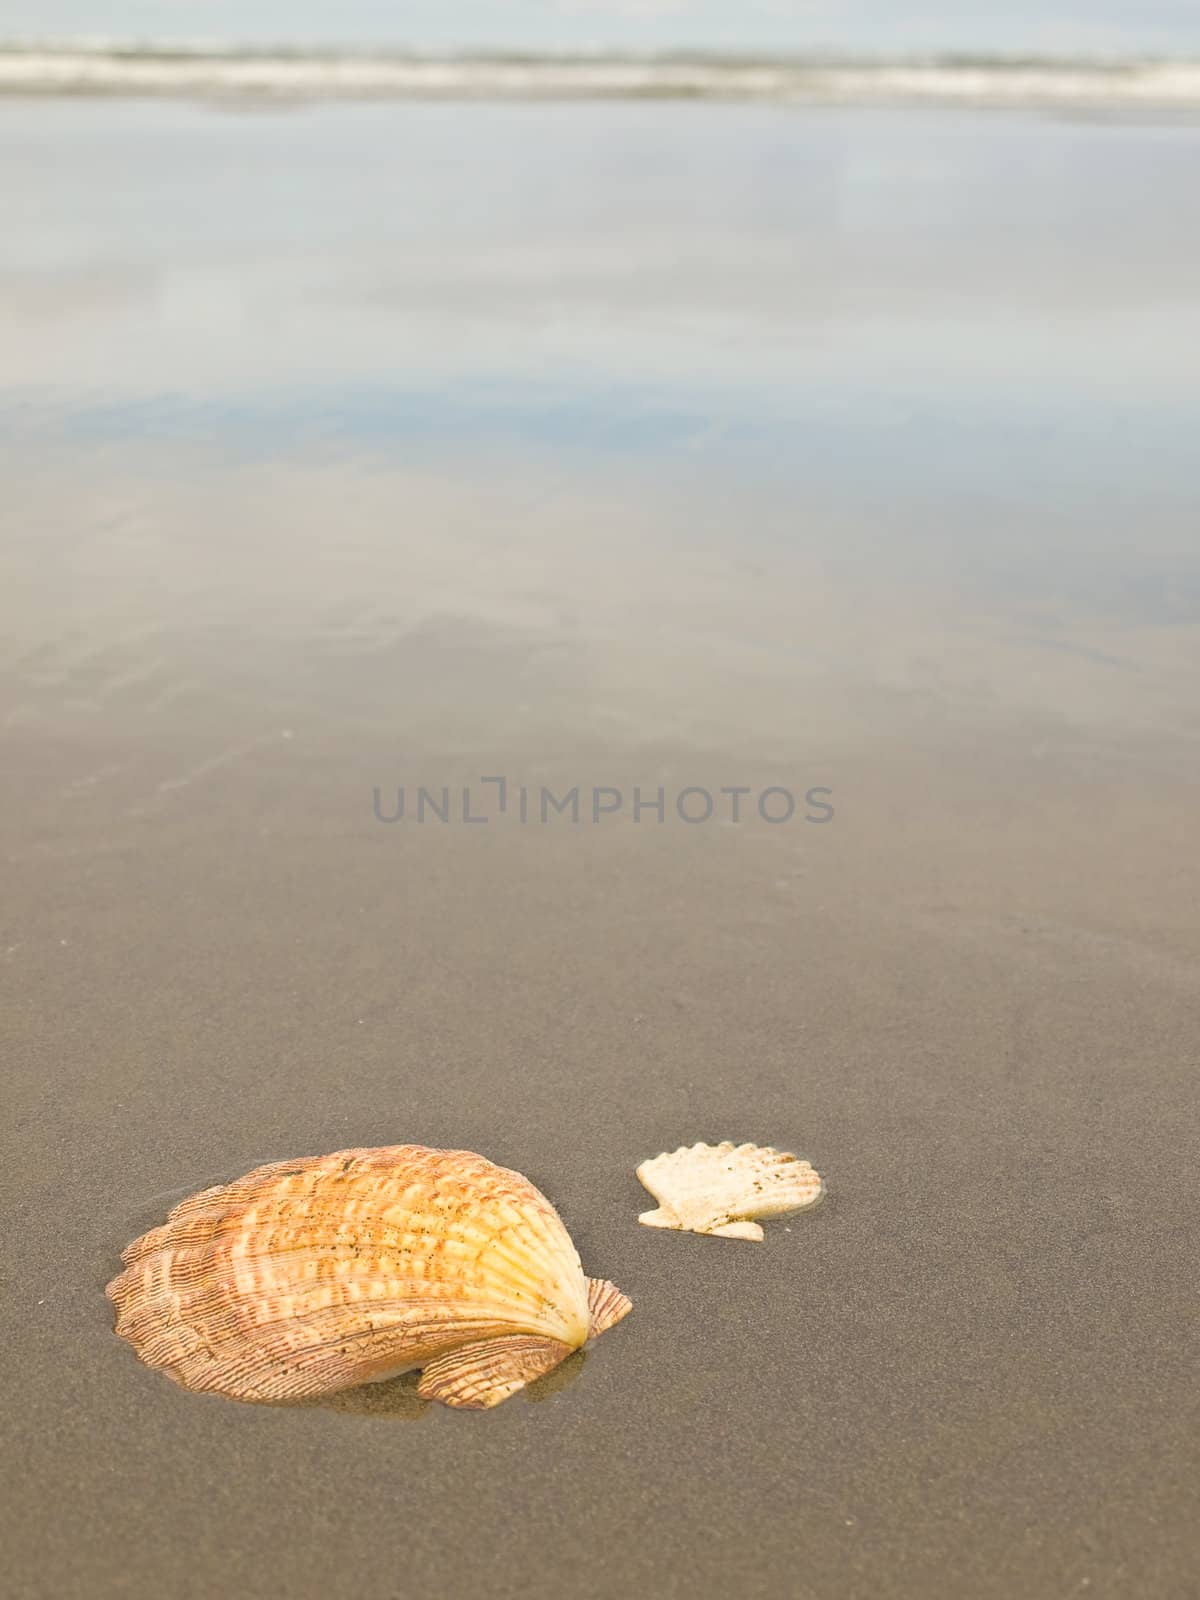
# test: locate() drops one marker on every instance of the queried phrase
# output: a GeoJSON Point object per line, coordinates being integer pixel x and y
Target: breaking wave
{"type": "Point", "coordinates": [91, 67]}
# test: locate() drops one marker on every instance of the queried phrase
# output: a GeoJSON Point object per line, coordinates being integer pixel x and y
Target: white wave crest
{"type": "Point", "coordinates": [99, 68]}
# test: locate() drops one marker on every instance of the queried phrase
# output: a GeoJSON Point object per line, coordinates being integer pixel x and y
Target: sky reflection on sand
{"type": "Point", "coordinates": [857, 409]}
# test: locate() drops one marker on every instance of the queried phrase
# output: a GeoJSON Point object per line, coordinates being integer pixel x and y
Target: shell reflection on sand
{"type": "Point", "coordinates": [307, 1278]}
{"type": "Point", "coordinates": [395, 1399]}
{"type": "Point", "coordinates": [721, 1189]}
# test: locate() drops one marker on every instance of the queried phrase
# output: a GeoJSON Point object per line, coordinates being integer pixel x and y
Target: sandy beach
{"type": "Point", "coordinates": [356, 448]}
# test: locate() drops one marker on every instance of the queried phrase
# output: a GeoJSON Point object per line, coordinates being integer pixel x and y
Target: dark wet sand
{"type": "Point", "coordinates": [971, 1000]}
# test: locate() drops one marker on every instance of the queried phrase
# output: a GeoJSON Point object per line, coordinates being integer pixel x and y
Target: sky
{"type": "Point", "coordinates": [1047, 26]}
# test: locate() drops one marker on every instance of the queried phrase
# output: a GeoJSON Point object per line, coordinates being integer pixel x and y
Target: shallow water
{"type": "Point", "coordinates": [350, 449]}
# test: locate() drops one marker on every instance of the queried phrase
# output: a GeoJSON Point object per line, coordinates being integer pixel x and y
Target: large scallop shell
{"type": "Point", "coordinates": [721, 1188]}
{"type": "Point", "coordinates": [306, 1277]}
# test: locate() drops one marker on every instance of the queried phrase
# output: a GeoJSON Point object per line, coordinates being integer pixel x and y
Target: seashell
{"type": "Point", "coordinates": [721, 1188]}
{"type": "Point", "coordinates": [306, 1277]}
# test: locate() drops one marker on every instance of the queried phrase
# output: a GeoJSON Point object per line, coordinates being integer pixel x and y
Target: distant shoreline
{"type": "Point", "coordinates": [105, 68]}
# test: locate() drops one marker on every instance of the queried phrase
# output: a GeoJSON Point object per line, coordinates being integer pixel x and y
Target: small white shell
{"type": "Point", "coordinates": [721, 1188]}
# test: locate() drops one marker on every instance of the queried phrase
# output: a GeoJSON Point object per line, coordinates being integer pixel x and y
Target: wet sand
{"type": "Point", "coordinates": [393, 455]}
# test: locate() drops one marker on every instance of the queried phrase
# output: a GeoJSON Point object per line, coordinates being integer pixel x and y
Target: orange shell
{"type": "Point", "coordinates": [306, 1277]}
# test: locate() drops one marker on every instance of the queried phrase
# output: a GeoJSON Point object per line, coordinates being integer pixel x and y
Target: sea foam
{"type": "Point", "coordinates": [106, 68]}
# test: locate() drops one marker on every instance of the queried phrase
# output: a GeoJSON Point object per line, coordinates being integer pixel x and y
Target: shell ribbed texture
{"type": "Point", "coordinates": [308, 1276]}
